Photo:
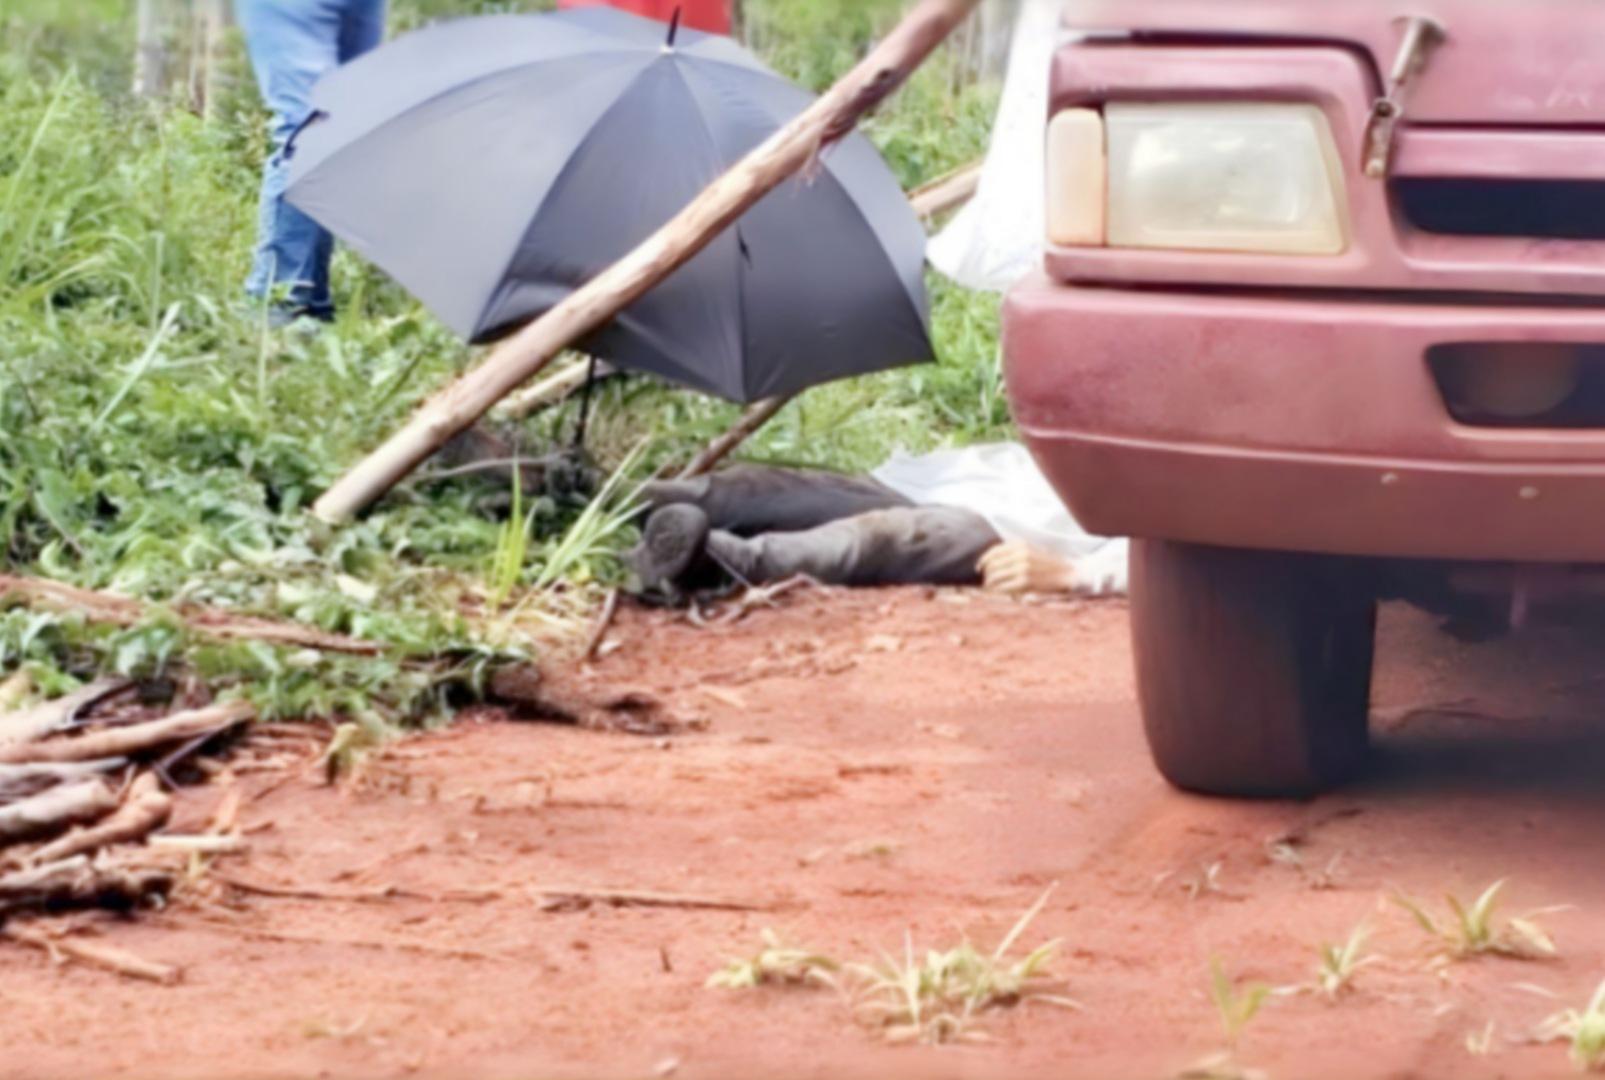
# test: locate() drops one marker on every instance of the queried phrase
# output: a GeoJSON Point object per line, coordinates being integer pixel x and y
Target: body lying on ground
{"type": "Point", "coordinates": [983, 515]}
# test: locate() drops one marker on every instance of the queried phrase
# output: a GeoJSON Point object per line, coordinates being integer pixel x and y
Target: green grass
{"type": "Point", "coordinates": [159, 442]}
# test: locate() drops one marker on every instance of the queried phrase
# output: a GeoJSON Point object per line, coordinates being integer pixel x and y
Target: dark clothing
{"type": "Point", "coordinates": [771, 524]}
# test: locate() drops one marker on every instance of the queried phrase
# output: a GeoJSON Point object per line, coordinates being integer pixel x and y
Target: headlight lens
{"type": "Point", "coordinates": [1224, 177]}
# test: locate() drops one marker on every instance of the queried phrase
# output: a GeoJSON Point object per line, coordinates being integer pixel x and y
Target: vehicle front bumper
{"type": "Point", "coordinates": [1295, 422]}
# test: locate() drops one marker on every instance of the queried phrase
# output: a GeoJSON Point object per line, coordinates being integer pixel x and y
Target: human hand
{"type": "Point", "coordinates": [1018, 569]}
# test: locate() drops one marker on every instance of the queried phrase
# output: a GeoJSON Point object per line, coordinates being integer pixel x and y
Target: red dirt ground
{"type": "Point", "coordinates": [873, 764]}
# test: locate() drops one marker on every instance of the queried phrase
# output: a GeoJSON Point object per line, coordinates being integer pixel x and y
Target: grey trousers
{"type": "Point", "coordinates": [772, 524]}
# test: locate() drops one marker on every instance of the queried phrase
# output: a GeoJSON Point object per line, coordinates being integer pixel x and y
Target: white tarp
{"type": "Point", "coordinates": [998, 237]}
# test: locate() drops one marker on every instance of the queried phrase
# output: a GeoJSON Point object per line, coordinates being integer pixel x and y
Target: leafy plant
{"type": "Point", "coordinates": [1237, 1006]}
{"type": "Point", "coordinates": [1340, 962]}
{"type": "Point", "coordinates": [1475, 930]}
{"type": "Point", "coordinates": [1584, 1030]}
{"type": "Point", "coordinates": [938, 999]}
{"type": "Point", "coordinates": [775, 962]}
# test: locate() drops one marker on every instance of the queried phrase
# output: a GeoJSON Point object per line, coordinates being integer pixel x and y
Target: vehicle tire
{"type": "Point", "coordinates": [1253, 668]}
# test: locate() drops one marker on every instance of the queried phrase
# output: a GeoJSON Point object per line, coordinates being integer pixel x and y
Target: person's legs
{"type": "Point", "coordinates": [930, 545]}
{"type": "Point", "coordinates": [293, 44]}
{"type": "Point", "coordinates": [751, 499]}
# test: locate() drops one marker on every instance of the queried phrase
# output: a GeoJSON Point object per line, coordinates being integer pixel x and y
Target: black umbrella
{"type": "Point", "coordinates": [492, 165]}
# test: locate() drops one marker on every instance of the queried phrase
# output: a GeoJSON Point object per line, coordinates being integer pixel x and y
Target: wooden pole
{"type": "Point", "coordinates": [780, 156]}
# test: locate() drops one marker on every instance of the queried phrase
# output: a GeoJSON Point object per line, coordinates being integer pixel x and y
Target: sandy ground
{"type": "Point", "coordinates": [873, 765]}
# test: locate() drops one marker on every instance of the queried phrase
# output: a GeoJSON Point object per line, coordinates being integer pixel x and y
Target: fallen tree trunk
{"type": "Point", "coordinates": [146, 809]}
{"type": "Point", "coordinates": [780, 156]}
{"type": "Point", "coordinates": [126, 611]}
{"type": "Point", "coordinates": [55, 810]}
{"type": "Point", "coordinates": [133, 739]}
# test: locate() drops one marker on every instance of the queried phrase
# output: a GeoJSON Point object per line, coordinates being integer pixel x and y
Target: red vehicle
{"type": "Point", "coordinates": [1322, 322]}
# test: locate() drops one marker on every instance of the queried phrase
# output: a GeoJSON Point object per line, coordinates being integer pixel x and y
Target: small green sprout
{"type": "Point", "coordinates": [1341, 962]}
{"type": "Point", "coordinates": [938, 1000]}
{"type": "Point", "coordinates": [775, 962]}
{"type": "Point", "coordinates": [1585, 1031]}
{"type": "Point", "coordinates": [1475, 931]}
{"type": "Point", "coordinates": [1236, 1005]}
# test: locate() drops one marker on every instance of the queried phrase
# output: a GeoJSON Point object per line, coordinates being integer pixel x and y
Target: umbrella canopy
{"type": "Point", "coordinates": [493, 165]}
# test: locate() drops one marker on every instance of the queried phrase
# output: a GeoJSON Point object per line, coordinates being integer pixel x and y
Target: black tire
{"type": "Point", "coordinates": [1253, 668]}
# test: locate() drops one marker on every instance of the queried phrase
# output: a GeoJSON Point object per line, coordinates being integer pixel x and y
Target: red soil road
{"type": "Point", "coordinates": [874, 764]}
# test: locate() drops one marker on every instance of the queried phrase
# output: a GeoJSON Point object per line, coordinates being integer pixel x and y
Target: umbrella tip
{"type": "Point", "coordinates": [674, 26]}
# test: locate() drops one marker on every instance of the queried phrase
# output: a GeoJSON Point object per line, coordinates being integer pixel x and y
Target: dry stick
{"type": "Point", "coordinates": [125, 741]}
{"type": "Point", "coordinates": [56, 809]}
{"type": "Point", "coordinates": [126, 611]}
{"type": "Point", "coordinates": [21, 781]}
{"type": "Point", "coordinates": [946, 192]}
{"type": "Point", "coordinates": [550, 896]}
{"type": "Point", "coordinates": [780, 156]}
{"type": "Point", "coordinates": [549, 391]}
{"type": "Point", "coordinates": [940, 195]}
{"type": "Point", "coordinates": [145, 810]}
{"type": "Point", "coordinates": [80, 880]}
{"type": "Point", "coordinates": [41, 720]}
{"type": "Point", "coordinates": [92, 953]}
{"type": "Point", "coordinates": [604, 621]}
{"type": "Point", "coordinates": [384, 944]}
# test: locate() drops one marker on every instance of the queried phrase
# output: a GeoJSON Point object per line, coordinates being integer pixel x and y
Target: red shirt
{"type": "Point", "coordinates": [710, 15]}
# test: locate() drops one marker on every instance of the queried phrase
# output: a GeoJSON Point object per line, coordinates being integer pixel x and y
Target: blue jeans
{"type": "Point", "coordinates": [293, 44]}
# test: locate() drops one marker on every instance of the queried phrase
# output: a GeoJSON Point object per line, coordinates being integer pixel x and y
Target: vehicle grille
{"type": "Point", "coordinates": [1544, 209]}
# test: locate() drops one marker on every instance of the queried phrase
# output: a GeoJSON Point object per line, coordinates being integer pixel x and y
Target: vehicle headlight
{"type": "Point", "coordinates": [1203, 177]}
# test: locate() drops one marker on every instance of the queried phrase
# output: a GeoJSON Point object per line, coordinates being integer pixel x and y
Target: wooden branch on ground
{"type": "Point", "coordinates": [386, 944]}
{"type": "Point", "coordinates": [39, 721]}
{"type": "Point", "coordinates": [133, 739]}
{"type": "Point", "coordinates": [55, 810]}
{"type": "Point", "coordinates": [946, 192]}
{"type": "Point", "coordinates": [551, 898]}
{"type": "Point", "coordinates": [782, 155]}
{"type": "Point", "coordinates": [212, 622]}
{"type": "Point", "coordinates": [604, 622]}
{"type": "Point", "coordinates": [81, 881]}
{"type": "Point", "coordinates": [21, 781]}
{"type": "Point", "coordinates": [145, 809]}
{"type": "Point", "coordinates": [95, 954]}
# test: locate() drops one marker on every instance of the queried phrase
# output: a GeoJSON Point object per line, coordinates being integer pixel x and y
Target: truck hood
{"type": "Point", "coordinates": [1505, 62]}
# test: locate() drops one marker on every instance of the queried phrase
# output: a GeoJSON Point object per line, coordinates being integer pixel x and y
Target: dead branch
{"type": "Point", "coordinates": [134, 739]}
{"type": "Point", "coordinates": [57, 809]}
{"type": "Point", "coordinates": [378, 895]}
{"type": "Point", "coordinates": [21, 781]}
{"type": "Point", "coordinates": [125, 611]}
{"type": "Point", "coordinates": [391, 944]}
{"type": "Point", "coordinates": [784, 154]}
{"type": "Point", "coordinates": [145, 809]}
{"type": "Point", "coordinates": [42, 719]}
{"type": "Point", "coordinates": [83, 881]}
{"type": "Point", "coordinates": [946, 192]}
{"type": "Point", "coordinates": [604, 622]}
{"type": "Point", "coordinates": [552, 390]}
{"type": "Point", "coordinates": [64, 947]}
{"type": "Point", "coordinates": [558, 899]}
{"type": "Point", "coordinates": [199, 845]}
